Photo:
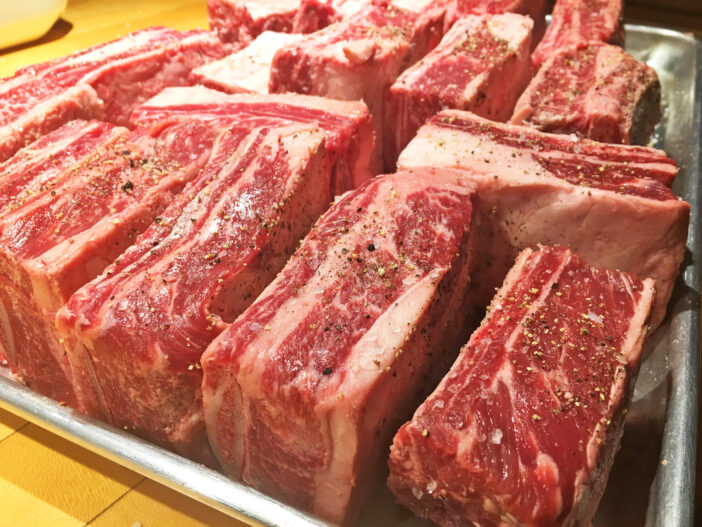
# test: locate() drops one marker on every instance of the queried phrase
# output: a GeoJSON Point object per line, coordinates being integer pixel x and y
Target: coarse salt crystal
{"type": "Point", "coordinates": [496, 438]}
{"type": "Point", "coordinates": [431, 486]}
{"type": "Point", "coordinates": [594, 317]}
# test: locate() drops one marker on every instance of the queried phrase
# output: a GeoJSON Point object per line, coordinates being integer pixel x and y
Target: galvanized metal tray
{"type": "Point", "coordinates": [653, 479]}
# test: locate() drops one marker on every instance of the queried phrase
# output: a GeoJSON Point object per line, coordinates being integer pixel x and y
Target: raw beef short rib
{"type": "Point", "coordinates": [482, 65]}
{"type": "Point", "coordinates": [597, 91]}
{"type": "Point", "coordinates": [348, 125]}
{"type": "Point", "coordinates": [135, 334]}
{"type": "Point", "coordinates": [535, 9]}
{"type": "Point", "coordinates": [576, 22]}
{"type": "Point", "coordinates": [243, 20]}
{"type": "Point", "coordinates": [304, 391]}
{"type": "Point", "coordinates": [246, 70]}
{"type": "Point", "coordinates": [358, 58]}
{"type": "Point", "coordinates": [105, 82]}
{"type": "Point", "coordinates": [313, 15]}
{"type": "Point", "coordinates": [86, 191]}
{"type": "Point", "coordinates": [524, 428]}
{"type": "Point", "coordinates": [25, 178]}
{"type": "Point", "coordinates": [608, 203]}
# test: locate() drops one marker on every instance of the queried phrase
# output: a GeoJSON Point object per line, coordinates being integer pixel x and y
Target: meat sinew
{"type": "Point", "coordinates": [349, 140]}
{"type": "Point", "coordinates": [106, 82]}
{"type": "Point", "coordinates": [524, 428]}
{"type": "Point", "coordinates": [247, 70]}
{"type": "Point", "coordinates": [597, 91]}
{"type": "Point", "coordinates": [90, 190]}
{"type": "Point", "coordinates": [304, 391]}
{"type": "Point", "coordinates": [607, 202]}
{"type": "Point", "coordinates": [358, 58]}
{"type": "Point", "coordinates": [576, 22]}
{"type": "Point", "coordinates": [482, 65]}
{"type": "Point", "coordinates": [135, 334]}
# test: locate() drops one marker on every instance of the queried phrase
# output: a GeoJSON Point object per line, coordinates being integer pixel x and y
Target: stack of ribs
{"type": "Point", "coordinates": [134, 335]}
{"type": "Point", "coordinates": [170, 262]}
{"type": "Point", "coordinates": [268, 178]}
{"type": "Point", "coordinates": [77, 197]}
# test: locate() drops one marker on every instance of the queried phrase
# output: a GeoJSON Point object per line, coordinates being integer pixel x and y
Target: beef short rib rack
{"type": "Point", "coordinates": [149, 232]}
{"type": "Point", "coordinates": [534, 9]}
{"type": "Point", "coordinates": [376, 43]}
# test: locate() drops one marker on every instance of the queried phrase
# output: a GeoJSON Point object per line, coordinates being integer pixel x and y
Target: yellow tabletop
{"type": "Point", "coordinates": [89, 22]}
{"type": "Point", "coordinates": [44, 479]}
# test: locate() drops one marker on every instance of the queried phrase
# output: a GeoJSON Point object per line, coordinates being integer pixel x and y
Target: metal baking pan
{"type": "Point", "coordinates": [653, 479]}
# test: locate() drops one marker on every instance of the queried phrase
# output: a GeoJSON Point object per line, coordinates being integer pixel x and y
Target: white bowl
{"type": "Point", "coordinates": [25, 20]}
